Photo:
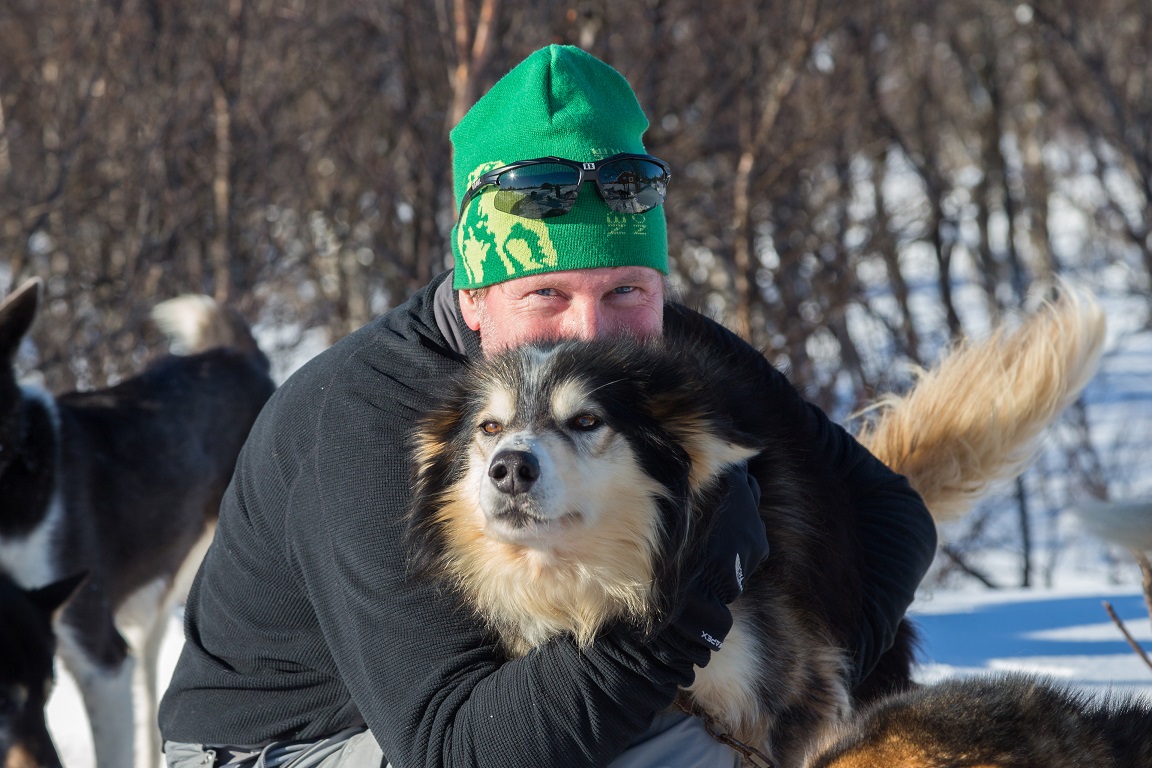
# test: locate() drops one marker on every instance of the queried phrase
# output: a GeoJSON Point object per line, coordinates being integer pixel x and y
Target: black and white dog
{"type": "Point", "coordinates": [561, 486]}
{"type": "Point", "coordinates": [123, 485]}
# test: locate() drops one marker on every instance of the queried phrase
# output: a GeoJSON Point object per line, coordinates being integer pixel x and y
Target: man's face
{"type": "Point", "coordinates": [577, 303]}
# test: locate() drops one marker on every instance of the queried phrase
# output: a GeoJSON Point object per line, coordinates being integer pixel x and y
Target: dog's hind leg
{"type": "Point", "coordinates": [143, 620]}
{"type": "Point", "coordinates": [144, 694]}
{"type": "Point", "coordinates": [775, 686]}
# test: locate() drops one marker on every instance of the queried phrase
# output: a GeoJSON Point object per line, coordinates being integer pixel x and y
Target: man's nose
{"type": "Point", "coordinates": [588, 321]}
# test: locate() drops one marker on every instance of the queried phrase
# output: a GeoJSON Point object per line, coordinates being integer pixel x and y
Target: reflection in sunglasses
{"type": "Point", "coordinates": [549, 186]}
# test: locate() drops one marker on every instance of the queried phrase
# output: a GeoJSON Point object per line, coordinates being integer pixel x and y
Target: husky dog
{"type": "Point", "coordinates": [122, 484]}
{"type": "Point", "coordinates": [27, 647]}
{"type": "Point", "coordinates": [618, 443]}
{"type": "Point", "coordinates": [1014, 721]}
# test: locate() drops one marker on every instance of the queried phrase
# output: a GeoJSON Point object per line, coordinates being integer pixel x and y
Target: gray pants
{"type": "Point", "coordinates": [353, 748]}
{"type": "Point", "coordinates": [674, 740]}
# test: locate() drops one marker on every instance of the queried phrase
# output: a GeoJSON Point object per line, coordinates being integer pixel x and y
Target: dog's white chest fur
{"type": "Point", "coordinates": [28, 559]}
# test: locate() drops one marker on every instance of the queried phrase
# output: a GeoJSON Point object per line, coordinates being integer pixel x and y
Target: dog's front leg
{"type": "Point", "coordinates": [776, 684]}
{"type": "Point", "coordinates": [106, 688]}
{"type": "Point", "coordinates": [728, 689]}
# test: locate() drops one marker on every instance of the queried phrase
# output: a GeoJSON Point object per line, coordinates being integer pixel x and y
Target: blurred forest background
{"type": "Point", "coordinates": [854, 183]}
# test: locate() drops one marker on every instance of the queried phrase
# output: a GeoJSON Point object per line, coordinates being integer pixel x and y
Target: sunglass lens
{"type": "Point", "coordinates": [537, 191]}
{"type": "Point", "coordinates": [632, 185]}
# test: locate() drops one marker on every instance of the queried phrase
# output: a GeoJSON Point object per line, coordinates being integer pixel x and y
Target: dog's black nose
{"type": "Point", "coordinates": [514, 471]}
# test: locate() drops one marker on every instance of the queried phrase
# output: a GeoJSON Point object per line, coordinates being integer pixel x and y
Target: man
{"type": "Point", "coordinates": [307, 640]}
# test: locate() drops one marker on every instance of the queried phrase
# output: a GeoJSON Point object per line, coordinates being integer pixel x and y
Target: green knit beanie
{"type": "Point", "coordinates": [562, 102]}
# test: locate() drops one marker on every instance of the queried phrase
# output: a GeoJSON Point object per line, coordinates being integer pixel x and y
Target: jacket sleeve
{"type": "Point", "coordinates": [898, 533]}
{"type": "Point", "coordinates": [898, 537]}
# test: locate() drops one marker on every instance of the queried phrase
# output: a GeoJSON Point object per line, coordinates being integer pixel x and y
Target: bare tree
{"type": "Point", "coordinates": [833, 163]}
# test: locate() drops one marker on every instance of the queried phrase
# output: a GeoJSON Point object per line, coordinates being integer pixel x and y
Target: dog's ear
{"type": "Point", "coordinates": [16, 315]}
{"type": "Point", "coordinates": [51, 596]}
{"type": "Point", "coordinates": [681, 400]}
{"type": "Point", "coordinates": [710, 451]}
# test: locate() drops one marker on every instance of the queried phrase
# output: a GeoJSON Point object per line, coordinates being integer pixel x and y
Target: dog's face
{"type": "Point", "coordinates": [550, 465]}
{"type": "Point", "coordinates": [27, 646]}
{"type": "Point", "coordinates": [559, 479]}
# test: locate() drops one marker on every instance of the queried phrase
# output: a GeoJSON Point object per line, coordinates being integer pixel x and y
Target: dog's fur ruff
{"type": "Point", "coordinates": [123, 484]}
{"type": "Point", "coordinates": [27, 647]}
{"type": "Point", "coordinates": [1002, 721]}
{"type": "Point", "coordinates": [563, 485]}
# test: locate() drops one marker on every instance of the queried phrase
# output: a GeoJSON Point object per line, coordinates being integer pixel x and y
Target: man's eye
{"type": "Point", "coordinates": [625, 289]}
{"type": "Point", "coordinates": [491, 427]}
{"type": "Point", "coordinates": [584, 422]}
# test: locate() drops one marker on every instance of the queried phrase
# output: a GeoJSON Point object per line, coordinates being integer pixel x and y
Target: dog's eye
{"type": "Point", "coordinates": [491, 427]}
{"type": "Point", "coordinates": [584, 422]}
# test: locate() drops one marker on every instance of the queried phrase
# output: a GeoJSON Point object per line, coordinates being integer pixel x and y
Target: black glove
{"type": "Point", "coordinates": [736, 545]}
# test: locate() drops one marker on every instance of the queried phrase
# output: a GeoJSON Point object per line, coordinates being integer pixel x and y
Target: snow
{"type": "Point", "coordinates": [1063, 633]}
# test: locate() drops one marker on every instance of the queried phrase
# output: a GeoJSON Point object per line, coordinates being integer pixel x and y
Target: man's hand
{"type": "Point", "coordinates": [735, 547]}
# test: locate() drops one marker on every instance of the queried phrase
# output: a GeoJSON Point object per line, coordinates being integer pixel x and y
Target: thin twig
{"type": "Point", "coordinates": [1124, 630]}
{"type": "Point", "coordinates": [958, 560]}
{"type": "Point", "coordinates": [1146, 579]}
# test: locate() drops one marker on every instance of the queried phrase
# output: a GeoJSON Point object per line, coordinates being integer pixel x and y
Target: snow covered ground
{"type": "Point", "coordinates": [1063, 633]}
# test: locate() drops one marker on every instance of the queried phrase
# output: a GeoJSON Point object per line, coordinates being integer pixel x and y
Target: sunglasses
{"type": "Point", "coordinates": [548, 186]}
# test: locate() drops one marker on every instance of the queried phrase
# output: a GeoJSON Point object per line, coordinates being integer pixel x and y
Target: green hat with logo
{"type": "Point", "coordinates": [560, 102]}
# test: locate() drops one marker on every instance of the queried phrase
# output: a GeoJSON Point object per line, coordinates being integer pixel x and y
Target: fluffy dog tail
{"type": "Point", "coordinates": [976, 419]}
{"type": "Point", "coordinates": [196, 323]}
